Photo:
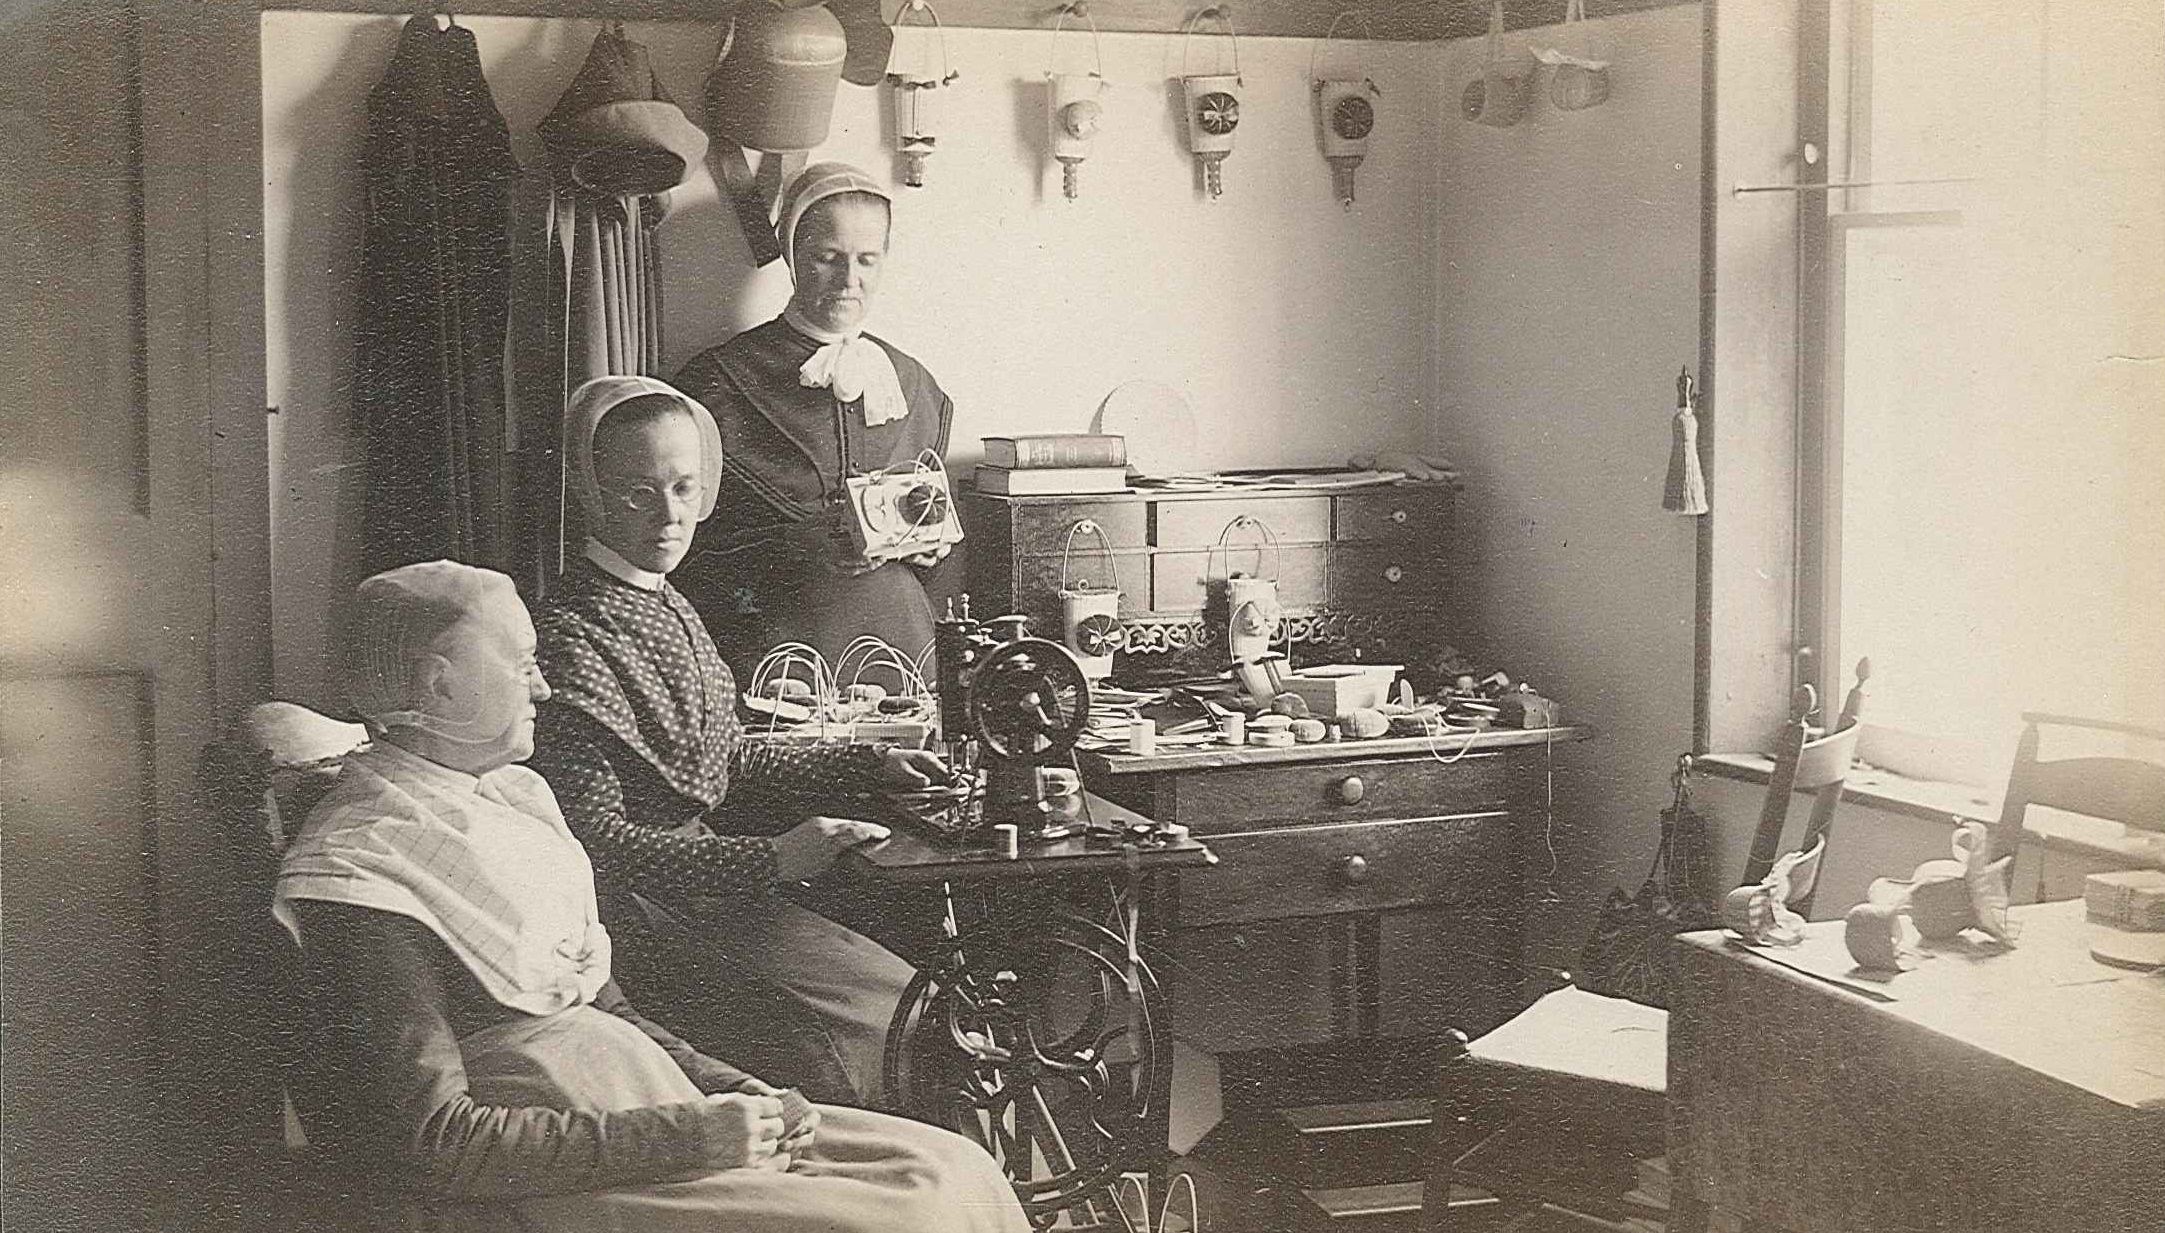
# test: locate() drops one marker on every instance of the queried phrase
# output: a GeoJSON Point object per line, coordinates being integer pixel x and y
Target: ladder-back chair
{"type": "Point", "coordinates": [1574, 1086]}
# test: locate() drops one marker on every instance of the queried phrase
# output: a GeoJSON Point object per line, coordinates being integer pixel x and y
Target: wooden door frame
{"type": "Point", "coordinates": [203, 381]}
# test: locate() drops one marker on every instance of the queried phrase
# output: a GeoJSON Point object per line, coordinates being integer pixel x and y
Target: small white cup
{"type": "Point", "coordinates": [1233, 729]}
{"type": "Point", "coordinates": [1143, 737]}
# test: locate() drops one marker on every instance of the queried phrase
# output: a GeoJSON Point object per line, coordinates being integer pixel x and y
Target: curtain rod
{"type": "Point", "coordinates": [1742, 189]}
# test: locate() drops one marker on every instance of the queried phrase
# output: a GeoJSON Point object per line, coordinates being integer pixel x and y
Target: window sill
{"type": "Point", "coordinates": [1946, 802]}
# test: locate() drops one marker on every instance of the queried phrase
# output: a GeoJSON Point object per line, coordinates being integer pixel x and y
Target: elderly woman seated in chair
{"type": "Point", "coordinates": [464, 1038]}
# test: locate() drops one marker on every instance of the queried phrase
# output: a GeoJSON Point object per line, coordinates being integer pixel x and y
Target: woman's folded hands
{"type": "Point", "coordinates": [743, 1130]}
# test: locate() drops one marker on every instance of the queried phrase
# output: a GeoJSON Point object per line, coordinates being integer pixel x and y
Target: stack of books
{"type": "Point", "coordinates": [1049, 464]}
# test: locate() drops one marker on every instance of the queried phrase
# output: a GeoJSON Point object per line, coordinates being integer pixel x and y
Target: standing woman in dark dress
{"type": "Point", "coordinates": [803, 402]}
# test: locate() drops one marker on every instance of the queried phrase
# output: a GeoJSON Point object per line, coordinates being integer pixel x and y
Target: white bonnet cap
{"type": "Point", "coordinates": [595, 399]}
{"type": "Point", "coordinates": [815, 184]}
{"type": "Point", "coordinates": [397, 615]}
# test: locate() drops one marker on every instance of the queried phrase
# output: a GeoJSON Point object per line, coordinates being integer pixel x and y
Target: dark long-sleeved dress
{"type": "Point", "coordinates": [768, 566]}
{"type": "Point", "coordinates": [642, 746]}
{"type": "Point", "coordinates": [483, 1118]}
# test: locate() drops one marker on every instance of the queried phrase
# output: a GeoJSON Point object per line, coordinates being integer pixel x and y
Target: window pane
{"type": "Point", "coordinates": [2003, 436]}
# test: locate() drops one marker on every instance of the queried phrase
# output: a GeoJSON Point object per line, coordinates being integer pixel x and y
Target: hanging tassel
{"type": "Point", "coordinates": [1686, 490]}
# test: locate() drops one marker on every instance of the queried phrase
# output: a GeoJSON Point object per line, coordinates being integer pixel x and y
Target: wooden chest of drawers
{"type": "Point", "coordinates": [1365, 889]}
{"type": "Point", "coordinates": [1365, 566]}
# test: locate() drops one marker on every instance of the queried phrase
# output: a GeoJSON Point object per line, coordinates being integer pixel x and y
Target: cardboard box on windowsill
{"type": "Point", "coordinates": [2130, 899]}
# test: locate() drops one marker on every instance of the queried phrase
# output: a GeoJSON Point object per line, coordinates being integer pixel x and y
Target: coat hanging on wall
{"type": "Point", "coordinates": [588, 263]}
{"type": "Point", "coordinates": [435, 275]}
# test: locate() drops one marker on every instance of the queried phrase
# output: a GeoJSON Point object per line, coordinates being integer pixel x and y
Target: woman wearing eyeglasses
{"type": "Point", "coordinates": [693, 830]}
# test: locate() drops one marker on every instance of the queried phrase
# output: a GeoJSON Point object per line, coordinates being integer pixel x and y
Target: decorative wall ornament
{"type": "Point", "coordinates": [1212, 101]}
{"type": "Point", "coordinates": [1345, 112]}
{"type": "Point", "coordinates": [1170, 635]}
{"type": "Point", "coordinates": [1578, 77]}
{"type": "Point", "coordinates": [915, 91]}
{"type": "Point", "coordinates": [1076, 102]}
{"type": "Point", "coordinates": [1685, 491]}
{"type": "Point", "coordinates": [1497, 98]}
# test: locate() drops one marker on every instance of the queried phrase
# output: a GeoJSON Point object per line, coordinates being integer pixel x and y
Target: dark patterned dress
{"type": "Point", "coordinates": [768, 566]}
{"type": "Point", "coordinates": [641, 743]}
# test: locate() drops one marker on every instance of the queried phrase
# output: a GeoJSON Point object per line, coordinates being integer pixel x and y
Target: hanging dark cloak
{"type": "Point", "coordinates": [772, 564]}
{"type": "Point", "coordinates": [435, 292]}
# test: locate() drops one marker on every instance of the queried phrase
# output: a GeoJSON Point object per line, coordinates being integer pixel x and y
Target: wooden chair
{"type": "Point", "coordinates": [1574, 1085]}
{"type": "Point", "coordinates": [280, 759]}
{"type": "Point", "coordinates": [2130, 791]}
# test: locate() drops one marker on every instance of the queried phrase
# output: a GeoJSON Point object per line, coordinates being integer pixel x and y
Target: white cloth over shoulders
{"type": "Point", "coordinates": [485, 862]}
{"type": "Point", "coordinates": [854, 367]}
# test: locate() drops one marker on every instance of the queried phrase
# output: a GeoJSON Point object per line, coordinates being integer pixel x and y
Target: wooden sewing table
{"type": "Point", "coordinates": [1038, 1029]}
{"type": "Point", "coordinates": [2012, 1092]}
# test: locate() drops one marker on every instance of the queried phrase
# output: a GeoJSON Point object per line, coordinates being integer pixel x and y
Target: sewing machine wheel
{"type": "Point", "coordinates": [1036, 1046]}
{"type": "Point", "coordinates": [1029, 700]}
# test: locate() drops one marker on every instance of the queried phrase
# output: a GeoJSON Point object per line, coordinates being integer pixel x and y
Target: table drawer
{"type": "Point", "coordinates": [1042, 527]}
{"type": "Point", "coordinates": [1400, 514]}
{"type": "Point", "coordinates": [1241, 798]}
{"type": "Point", "coordinates": [1199, 524]}
{"type": "Point", "coordinates": [1379, 575]}
{"type": "Point", "coordinates": [1347, 867]}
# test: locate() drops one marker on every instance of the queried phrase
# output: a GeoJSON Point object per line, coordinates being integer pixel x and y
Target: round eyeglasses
{"type": "Point", "coordinates": [651, 498]}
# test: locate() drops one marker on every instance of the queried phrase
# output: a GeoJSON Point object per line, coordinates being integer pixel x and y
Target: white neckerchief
{"type": "Point", "coordinates": [609, 561]}
{"type": "Point", "coordinates": [854, 367]}
{"type": "Point", "coordinates": [485, 863]}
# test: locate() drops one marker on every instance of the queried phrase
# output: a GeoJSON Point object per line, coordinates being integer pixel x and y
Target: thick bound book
{"type": "Point", "coordinates": [1056, 449]}
{"type": "Point", "coordinates": [1050, 481]}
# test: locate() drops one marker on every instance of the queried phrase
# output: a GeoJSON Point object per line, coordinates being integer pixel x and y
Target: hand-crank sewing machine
{"type": "Point", "coordinates": [1011, 707]}
{"type": "Point", "coordinates": [1036, 1028]}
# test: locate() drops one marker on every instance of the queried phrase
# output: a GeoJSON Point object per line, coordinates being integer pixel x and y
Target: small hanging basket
{"type": "Point", "coordinates": [1090, 615]}
{"type": "Point", "coordinates": [1496, 98]}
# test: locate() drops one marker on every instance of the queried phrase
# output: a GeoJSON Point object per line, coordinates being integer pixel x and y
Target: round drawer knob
{"type": "Point", "coordinates": [1392, 573]}
{"type": "Point", "coordinates": [1398, 516]}
{"type": "Point", "coordinates": [1351, 790]}
{"type": "Point", "coordinates": [1354, 868]}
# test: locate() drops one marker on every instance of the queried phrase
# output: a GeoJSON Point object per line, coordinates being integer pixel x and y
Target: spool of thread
{"type": "Point", "coordinates": [1008, 838]}
{"type": "Point", "coordinates": [1143, 737]}
{"type": "Point", "coordinates": [1233, 729]}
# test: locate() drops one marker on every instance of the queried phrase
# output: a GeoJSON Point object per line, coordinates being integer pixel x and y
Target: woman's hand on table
{"type": "Point", "coordinates": [913, 768]}
{"type": "Point", "coordinates": [740, 1130]}
{"type": "Point", "coordinates": [808, 848]}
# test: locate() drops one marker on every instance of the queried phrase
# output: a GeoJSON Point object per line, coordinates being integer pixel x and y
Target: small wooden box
{"type": "Point", "coordinates": [1330, 690]}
